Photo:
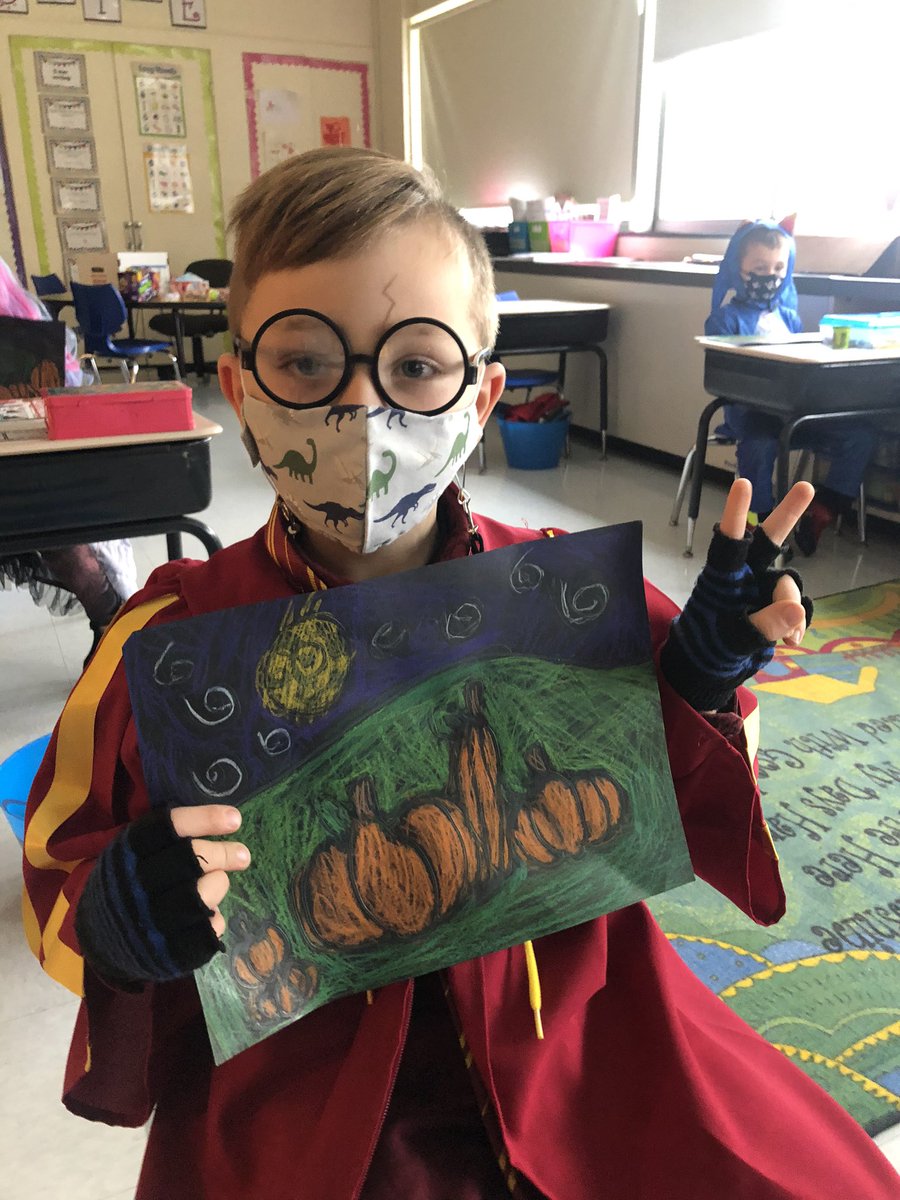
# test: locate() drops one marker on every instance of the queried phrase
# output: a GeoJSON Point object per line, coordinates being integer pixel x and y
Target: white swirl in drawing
{"type": "Point", "coordinates": [587, 604]}
{"type": "Point", "coordinates": [525, 576]}
{"type": "Point", "coordinates": [178, 669]}
{"type": "Point", "coordinates": [276, 741]}
{"type": "Point", "coordinates": [213, 773]}
{"type": "Point", "coordinates": [464, 621]}
{"type": "Point", "coordinates": [219, 709]}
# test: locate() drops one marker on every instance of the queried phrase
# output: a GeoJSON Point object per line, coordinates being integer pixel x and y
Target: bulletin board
{"type": "Point", "coordinates": [296, 103]}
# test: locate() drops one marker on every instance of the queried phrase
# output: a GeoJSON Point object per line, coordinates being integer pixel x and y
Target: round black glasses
{"type": "Point", "coordinates": [302, 359]}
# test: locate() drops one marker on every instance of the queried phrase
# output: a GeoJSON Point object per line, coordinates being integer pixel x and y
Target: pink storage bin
{"type": "Point", "coordinates": [593, 239]}
{"type": "Point", "coordinates": [111, 410]}
{"type": "Point", "coordinates": [559, 236]}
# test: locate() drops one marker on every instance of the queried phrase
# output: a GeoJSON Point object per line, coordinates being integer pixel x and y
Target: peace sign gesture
{"type": "Point", "coordinates": [784, 619]}
{"type": "Point", "coordinates": [740, 607]}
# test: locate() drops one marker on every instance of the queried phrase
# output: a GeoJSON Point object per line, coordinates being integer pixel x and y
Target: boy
{"type": "Point", "coordinates": [758, 266]}
{"type": "Point", "coordinates": [360, 299]}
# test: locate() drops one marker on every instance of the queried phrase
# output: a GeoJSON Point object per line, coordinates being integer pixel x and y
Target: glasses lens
{"type": "Point", "coordinates": [300, 359]}
{"type": "Point", "coordinates": [421, 367]}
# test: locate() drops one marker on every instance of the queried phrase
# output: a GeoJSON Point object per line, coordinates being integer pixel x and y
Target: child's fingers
{"type": "Point", "coordinates": [213, 888]}
{"type": "Point", "coordinates": [221, 856]}
{"type": "Point", "coordinates": [205, 820]}
{"type": "Point", "coordinates": [783, 620]}
{"type": "Point", "coordinates": [782, 519]}
{"type": "Point", "coordinates": [737, 506]}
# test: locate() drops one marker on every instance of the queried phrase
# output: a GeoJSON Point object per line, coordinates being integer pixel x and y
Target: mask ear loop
{"type": "Point", "coordinates": [476, 541]}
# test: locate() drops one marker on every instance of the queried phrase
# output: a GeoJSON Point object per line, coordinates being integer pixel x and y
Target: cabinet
{"type": "Point", "coordinates": [107, 128]}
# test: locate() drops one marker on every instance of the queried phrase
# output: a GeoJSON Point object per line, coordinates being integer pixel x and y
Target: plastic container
{"type": "Point", "coordinates": [111, 410]}
{"type": "Point", "coordinates": [560, 236]}
{"type": "Point", "coordinates": [593, 239]}
{"type": "Point", "coordinates": [533, 445]}
{"type": "Point", "coordinates": [518, 237]}
{"type": "Point", "coordinates": [861, 331]}
{"type": "Point", "coordinates": [16, 777]}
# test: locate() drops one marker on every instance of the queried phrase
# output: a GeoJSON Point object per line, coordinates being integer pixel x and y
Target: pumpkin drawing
{"type": "Point", "coordinates": [397, 875]}
{"type": "Point", "coordinates": [475, 774]}
{"type": "Point", "coordinates": [276, 985]}
{"type": "Point", "coordinates": [326, 903]}
{"type": "Point", "coordinates": [437, 826]}
{"type": "Point", "coordinates": [564, 812]}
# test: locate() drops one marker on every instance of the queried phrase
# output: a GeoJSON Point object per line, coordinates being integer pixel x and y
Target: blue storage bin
{"type": "Point", "coordinates": [533, 445]}
{"type": "Point", "coordinates": [16, 777]}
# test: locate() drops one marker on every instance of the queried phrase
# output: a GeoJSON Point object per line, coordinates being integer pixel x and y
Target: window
{"type": "Point", "coordinates": [798, 118]}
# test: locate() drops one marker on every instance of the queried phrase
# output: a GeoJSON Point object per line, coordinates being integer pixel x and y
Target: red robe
{"type": "Point", "coordinates": [645, 1087]}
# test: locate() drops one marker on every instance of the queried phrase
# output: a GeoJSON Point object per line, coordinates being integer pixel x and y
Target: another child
{"type": "Point", "coordinates": [646, 1086]}
{"type": "Point", "coordinates": [758, 269]}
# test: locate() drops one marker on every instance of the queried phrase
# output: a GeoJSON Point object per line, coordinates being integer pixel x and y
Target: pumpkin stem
{"type": "Point", "coordinates": [362, 792]}
{"type": "Point", "coordinates": [474, 694]}
{"type": "Point", "coordinates": [537, 759]}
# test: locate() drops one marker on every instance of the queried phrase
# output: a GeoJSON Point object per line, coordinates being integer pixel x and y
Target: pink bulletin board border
{"type": "Point", "coordinates": [296, 60]}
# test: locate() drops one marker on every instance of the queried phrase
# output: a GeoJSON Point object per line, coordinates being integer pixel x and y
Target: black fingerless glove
{"type": "Point", "coordinates": [713, 647]}
{"type": "Point", "coordinates": [140, 917]}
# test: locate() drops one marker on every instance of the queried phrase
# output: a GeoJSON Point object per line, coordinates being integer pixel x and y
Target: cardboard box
{"type": "Point", "coordinates": [93, 268]}
{"type": "Point", "coordinates": [112, 410]}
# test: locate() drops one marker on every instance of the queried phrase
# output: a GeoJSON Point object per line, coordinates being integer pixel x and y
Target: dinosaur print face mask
{"type": "Point", "coordinates": [363, 476]}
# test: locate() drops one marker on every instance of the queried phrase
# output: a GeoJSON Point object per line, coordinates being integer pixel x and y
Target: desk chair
{"type": "Point", "coordinates": [722, 436]}
{"type": "Point", "coordinates": [527, 379]}
{"type": "Point", "coordinates": [100, 311]}
{"type": "Point", "coordinates": [197, 326]}
{"type": "Point", "coordinates": [49, 285]}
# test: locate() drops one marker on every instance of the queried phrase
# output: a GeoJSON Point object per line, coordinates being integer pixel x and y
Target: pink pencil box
{"type": "Point", "coordinates": [111, 410]}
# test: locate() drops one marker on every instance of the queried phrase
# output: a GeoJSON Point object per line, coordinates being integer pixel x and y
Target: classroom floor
{"type": "Point", "coordinates": [50, 1154]}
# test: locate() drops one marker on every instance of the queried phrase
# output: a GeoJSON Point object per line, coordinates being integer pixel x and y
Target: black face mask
{"type": "Point", "coordinates": [762, 288]}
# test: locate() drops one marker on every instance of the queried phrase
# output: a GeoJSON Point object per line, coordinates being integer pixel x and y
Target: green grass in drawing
{"type": "Point", "coordinates": [582, 807]}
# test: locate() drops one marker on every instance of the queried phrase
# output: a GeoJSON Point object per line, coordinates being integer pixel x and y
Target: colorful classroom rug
{"type": "Point", "coordinates": [823, 985]}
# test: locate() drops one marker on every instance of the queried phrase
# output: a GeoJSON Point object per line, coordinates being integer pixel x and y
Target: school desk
{"type": "Point", "coordinates": [62, 493]}
{"type": "Point", "coordinates": [557, 327]}
{"type": "Point", "coordinates": [801, 381]}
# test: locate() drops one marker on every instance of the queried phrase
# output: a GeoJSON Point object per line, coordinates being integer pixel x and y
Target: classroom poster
{"type": "Point", "coordinates": [430, 767]}
{"type": "Point", "coordinates": [71, 154]}
{"type": "Point", "coordinates": [66, 113]}
{"type": "Point", "coordinates": [280, 125]}
{"type": "Point", "coordinates": [169, 187]}
{"type": "Point", "coordinates": [62, 72]}
{"type": "Point", "coordinates": [334, 131]}
{"type": "Point", "coordinates": [160, 101]}
{"type": "Point", "coordinates": [77, 236]}
{"type": "Point", "coordinates": [76, 195]}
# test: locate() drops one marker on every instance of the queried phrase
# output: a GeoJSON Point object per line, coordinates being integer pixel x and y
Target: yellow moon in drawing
{"type": "Point", "coordinates": [304, 671]}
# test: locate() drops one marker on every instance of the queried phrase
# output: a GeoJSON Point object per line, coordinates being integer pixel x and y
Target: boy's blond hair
{"type": "Point", "coordinates": [330, 203]}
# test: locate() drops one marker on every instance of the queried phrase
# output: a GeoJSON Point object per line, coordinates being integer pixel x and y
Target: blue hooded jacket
{"type": "Point", "coordinates": [741, 314]}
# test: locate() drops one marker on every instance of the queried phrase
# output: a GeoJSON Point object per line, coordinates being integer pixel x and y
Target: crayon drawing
{"type": "Point", "coordinates": [430, 767]}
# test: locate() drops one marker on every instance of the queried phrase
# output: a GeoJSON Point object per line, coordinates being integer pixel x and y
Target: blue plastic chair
{"type": "Point", "coordinates": [16, 777]}
{"type": "Point", "coordinates": [100, 311]}
{"type": "Point", "coordinates": [50, 285]}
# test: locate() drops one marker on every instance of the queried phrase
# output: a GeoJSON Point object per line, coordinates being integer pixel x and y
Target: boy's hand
{"type": "Point", "coordinates": [149, 911]}
{"type": "Point", "coordinates": [739, 607]}
{"type": "Point", "coordinates": [784, 619]}
{"type": "Point", "coordinates": [215, 859]}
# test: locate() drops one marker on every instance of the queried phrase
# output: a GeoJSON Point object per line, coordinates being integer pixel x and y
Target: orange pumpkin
{"type": "Point", "coordinates": [326, 902]}
{"type": "Point", "coordinates": [475, 774]}
{"type": "Point", "coordinates": [564, 812]}
{"type": "Point", "coordinates": [395, 884]}
{"type": "Point", "coordinates": [259, 952]}
{"type": "Point", "coordinates": [45, 374]}
{"type": "Point", "coordinates": [440, 831]}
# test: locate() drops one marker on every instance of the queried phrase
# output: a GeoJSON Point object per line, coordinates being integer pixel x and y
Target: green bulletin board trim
{"type": "Point", "coordinates": [18, 46]}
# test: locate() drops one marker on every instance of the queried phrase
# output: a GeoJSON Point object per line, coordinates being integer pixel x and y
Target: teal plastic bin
{"type": "Point", "coordinates": [533, 445]}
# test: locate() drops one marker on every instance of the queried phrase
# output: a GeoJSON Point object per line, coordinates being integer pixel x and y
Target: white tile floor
{"type": "Point", "coordinates": [46, 1152]}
